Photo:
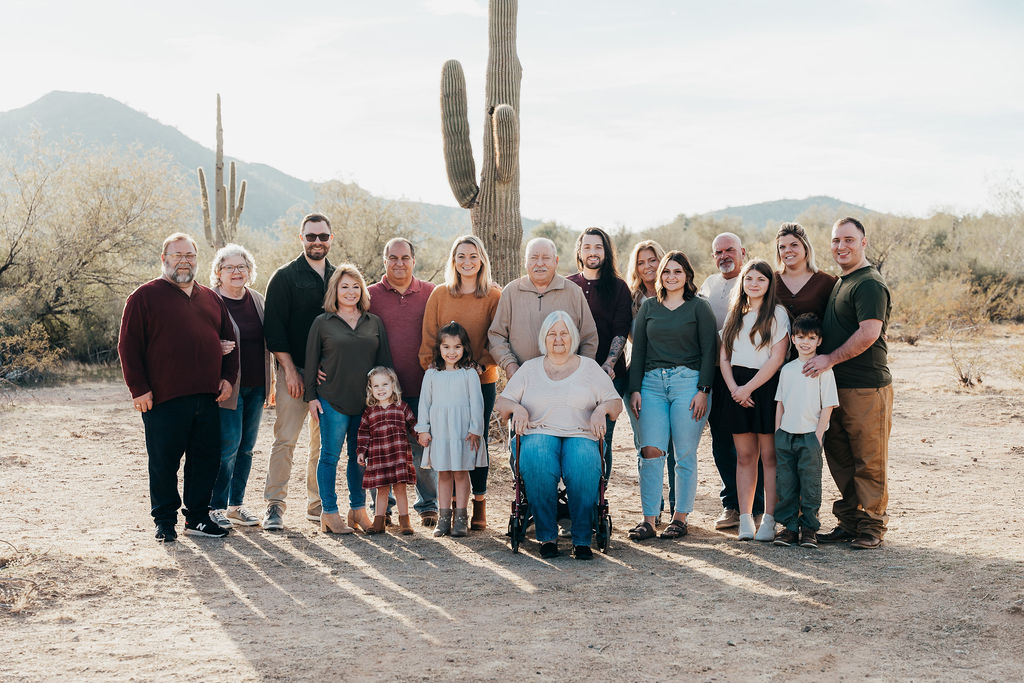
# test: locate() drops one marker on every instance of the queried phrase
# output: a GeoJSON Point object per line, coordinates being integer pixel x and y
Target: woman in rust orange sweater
{"type": "Point", "coordinates": [469, 298]}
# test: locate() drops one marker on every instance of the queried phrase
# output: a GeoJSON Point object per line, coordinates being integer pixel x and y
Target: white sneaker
{"type": "Point", "coordinates": [220, 519]}
{"type": "Point", "coordinates": [747, 528]}
{"type": "Point", "coordinates": [243, 516]}
{"type": "Point", "coordinates": [766, 532]}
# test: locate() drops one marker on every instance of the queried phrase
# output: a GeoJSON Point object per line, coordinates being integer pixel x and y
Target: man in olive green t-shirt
{"type": "Point", "coordinates": [853, 345]}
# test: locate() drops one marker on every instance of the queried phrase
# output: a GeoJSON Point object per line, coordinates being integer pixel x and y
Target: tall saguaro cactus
{"type": "Point", "coordinates": [494, 203]}
{"type": "Point", "coordinates": [228, 211]}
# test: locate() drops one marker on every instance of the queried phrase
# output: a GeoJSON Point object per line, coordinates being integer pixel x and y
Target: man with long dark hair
{"type": "Point", "coordinates": [610, 303]}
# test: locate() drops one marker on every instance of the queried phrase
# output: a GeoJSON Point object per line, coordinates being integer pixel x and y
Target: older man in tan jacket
{"type": "Point", "coordinates": [527, 301]}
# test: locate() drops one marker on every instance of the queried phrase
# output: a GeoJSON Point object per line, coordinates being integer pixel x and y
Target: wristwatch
{"type": "Point", "coordinates": [706, 390]}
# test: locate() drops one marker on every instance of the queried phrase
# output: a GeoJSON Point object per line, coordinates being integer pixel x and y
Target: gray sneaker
{"type": "Point", "coordinates": [220, 519]}
{"type": "Point", "coordinates": [565, 528]}
{"type": "Point", "coordinates": [274, 517]}
{"type": "Point", "coordinates": [243, 516]}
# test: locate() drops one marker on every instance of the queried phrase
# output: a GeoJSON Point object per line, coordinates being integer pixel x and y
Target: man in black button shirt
{"type": "Point", "coordinates": [295, 296]}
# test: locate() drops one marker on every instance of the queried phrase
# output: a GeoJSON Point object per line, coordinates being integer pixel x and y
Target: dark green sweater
{"type": "Point", "coordinates": [667, 339]}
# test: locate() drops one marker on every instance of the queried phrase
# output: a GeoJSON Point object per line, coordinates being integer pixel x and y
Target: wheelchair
{"type": "Point", "coordinates": [521, 519]}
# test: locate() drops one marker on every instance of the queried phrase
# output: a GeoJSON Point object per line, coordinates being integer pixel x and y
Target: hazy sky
{"type": "Point", "coordinates": [632, 112]}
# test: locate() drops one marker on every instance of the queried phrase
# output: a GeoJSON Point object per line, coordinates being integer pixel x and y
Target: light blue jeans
{"type": "Point", "coordinates": [335, 428]}
{"type": "Point", "coordinates": [665, 396]}
{"type": "Point", "coordinates": [543, 460]}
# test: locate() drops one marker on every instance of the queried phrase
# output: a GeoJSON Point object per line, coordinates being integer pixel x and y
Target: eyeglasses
{"type": "Point", "coordinates": [313, 237]}
{"type": "Point", "coordinates": [235, 269]}
{"type": "Point", "coordinates": [176, 257]}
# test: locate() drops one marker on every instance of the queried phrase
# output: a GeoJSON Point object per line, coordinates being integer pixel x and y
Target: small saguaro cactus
{"type": "Point", "coordinates": [494, 203]}
{"type": "Point", "coordinates": [228, 211]}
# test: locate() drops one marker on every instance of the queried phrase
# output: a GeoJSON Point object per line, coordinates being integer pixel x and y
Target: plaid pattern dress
{"type": "Point", "coordinates": [383, 439]}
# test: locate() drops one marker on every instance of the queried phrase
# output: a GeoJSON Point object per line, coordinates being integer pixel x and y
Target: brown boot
{"type": "Point", "coordinates": [359, 520]}
{"type": "Point", "coordinates": [378, 526]}
{"type": "Point", "coordinates": [404, 525]}
{"type": "Point", "coordinates": [479, 521]}
{"type": "Point", "coordinates": [332, 523]}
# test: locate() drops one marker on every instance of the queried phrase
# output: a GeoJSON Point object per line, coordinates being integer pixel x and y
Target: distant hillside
{"type": "Point", "coordinates": [758, 216]}
{"type": "Point", "coordinates": [102, 121]}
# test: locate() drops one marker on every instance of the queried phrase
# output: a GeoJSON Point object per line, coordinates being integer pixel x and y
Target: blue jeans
{"type": "Point", "coordinates": [723, 448]}
{"type": "Point", "coordinates": [665, 414]}
{"type": "Point", "coordinates": [634, 422]}
{"type": "Point", "coordinates": [543, 460]}
{"type": "Point", "coordinates": [426, 480]}
{"type": "Point", "coordinates": [335, 427]}
{"type": "Point", "coordinates": [238, 430]}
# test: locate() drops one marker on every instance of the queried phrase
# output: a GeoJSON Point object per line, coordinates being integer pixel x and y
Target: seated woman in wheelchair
{"type": "Point", "coordinates": [558, 403]}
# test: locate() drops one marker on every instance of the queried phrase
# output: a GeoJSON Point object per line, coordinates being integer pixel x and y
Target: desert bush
{"type": "Point", "coordinates": [79, 229]}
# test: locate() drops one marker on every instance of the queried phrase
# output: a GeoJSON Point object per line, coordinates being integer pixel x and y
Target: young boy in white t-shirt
{"type": "Point", "coordinates": [803, 408]}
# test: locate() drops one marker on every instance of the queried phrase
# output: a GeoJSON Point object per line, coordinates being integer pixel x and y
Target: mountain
{"type": "Point", "coordinates": [102, 121]}
{"type": "Point", "coordinates": [771, 214]}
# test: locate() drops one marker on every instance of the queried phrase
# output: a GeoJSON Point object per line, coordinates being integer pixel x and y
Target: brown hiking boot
{"type": "Point", "coordinates": [808, 538]}
{"type": "Point", "coordinates": [785, 538]}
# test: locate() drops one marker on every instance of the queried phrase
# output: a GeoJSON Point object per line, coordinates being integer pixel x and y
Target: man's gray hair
{"type": "Point", "coordinates": [729, 235]}
{"type": "Point", "coordinates": [538, 241]}
{"type": "Point", "coordinates": [549, 322]}
{"type": "Point", "coordinates": [227, 251]}
{"type": "Point", "coordinates": [398, 240]}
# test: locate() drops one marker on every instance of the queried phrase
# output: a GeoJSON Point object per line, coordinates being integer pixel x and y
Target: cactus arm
{"type": "Point", "coordinates": [232, 221]}
{"type": "Point", "coordinates": [458, 151]}
{"type": "Point", "coordinates": [505, 131]}
{"type": "Point", "coordinates": [204, 193]}
{"type": "Point", "coordinates": [241, 203]}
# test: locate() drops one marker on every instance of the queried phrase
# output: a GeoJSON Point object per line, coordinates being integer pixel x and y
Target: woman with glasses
{"type": "Point", "coordinates": [232, 273]}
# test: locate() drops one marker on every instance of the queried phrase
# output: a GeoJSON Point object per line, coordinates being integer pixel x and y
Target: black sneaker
{"type": "Point", "coordinates": [549, 550]}
{"type": "Point", "coordinates": [582, 552]}
{"type": "Point", "coordinates": [837, 535]}
{"type": "Point", "coordinates": [165, 532]}
{"type": "Point", "coordinates": [785, 538]}
{"type": "Point", "coordinates": [205, 527]}
{"type": "Point", "coordinates": [808, 538]}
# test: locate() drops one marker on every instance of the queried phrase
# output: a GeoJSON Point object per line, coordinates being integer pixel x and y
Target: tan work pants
{"type": "Point", "coordinates": [291, 414]}
{"type": "Point", "coordinates": [857, 452]}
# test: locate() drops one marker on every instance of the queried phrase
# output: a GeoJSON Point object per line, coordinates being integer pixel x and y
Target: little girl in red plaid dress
{"type": "Point", "coordinates": [383, 446]}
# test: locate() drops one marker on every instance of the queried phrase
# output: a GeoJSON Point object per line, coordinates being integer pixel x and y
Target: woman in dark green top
{"type": "Point", "coordinates": [673, 365]}
{"type": "Point", "coordinates": [345, 342]}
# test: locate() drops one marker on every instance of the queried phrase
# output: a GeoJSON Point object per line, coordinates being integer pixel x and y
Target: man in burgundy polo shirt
{"type": "Point", "coordinates": [401, 300]}
{"type": "Point", "coordinates": [176, 370]}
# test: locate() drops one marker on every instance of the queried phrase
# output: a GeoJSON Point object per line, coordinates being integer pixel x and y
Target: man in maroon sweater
{"type": "Point", "coordinates": [176, 370]}
{"type": "Point", "coordinates": [400, 299]}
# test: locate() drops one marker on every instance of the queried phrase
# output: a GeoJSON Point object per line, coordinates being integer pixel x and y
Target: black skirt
{"type": "Point", "coordinates": [760, 419]}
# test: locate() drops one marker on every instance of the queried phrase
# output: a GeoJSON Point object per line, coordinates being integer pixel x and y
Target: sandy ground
{"type": "Point", "coordinates": [943, 598]}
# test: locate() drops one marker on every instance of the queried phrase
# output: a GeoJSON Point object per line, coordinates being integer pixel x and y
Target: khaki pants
{"type": "Point", "coordinates": [857, 452]}
{"type": "Point", "coordinates": [291, 414]}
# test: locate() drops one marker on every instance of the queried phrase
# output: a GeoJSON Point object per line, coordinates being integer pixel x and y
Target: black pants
{"type": "Point", "coordinates": [188, 425]}
{"type": "Point", "coordinates": [723, 448]}
{"type": "Point", "coordinates": [478, 476]}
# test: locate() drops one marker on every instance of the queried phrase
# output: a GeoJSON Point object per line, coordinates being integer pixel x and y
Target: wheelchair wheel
{"type": "Point", "coordinates": [515, 532]}
{"type": "Point", "coordinates": [603, 534]}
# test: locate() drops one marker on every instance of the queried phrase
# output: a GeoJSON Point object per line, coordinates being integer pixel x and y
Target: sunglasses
{"type": "Point", "coordinates": [313, 237]}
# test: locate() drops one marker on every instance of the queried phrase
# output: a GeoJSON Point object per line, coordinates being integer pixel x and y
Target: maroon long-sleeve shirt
{"type": "Point", "coordinates": [170, 342]}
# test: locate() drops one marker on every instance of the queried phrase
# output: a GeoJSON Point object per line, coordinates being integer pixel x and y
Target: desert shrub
{"type": "Point", "coordinates": [79, 229]}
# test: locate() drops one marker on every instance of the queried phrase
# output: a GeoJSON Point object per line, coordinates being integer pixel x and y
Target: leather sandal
{"type": "Point", "coordinates": [642, 532]}
{"type": "Point", "coordinates": [675, 529]}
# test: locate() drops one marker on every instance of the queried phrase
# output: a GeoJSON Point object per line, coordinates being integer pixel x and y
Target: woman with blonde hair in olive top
{"type": "Point", "coordinates": [470, 298]}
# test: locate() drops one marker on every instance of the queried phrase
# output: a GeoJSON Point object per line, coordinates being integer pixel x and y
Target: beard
{"type": "Point", "coordinates": [320, 253]}
{"type": "Point", "coordinates": [172, 274]}
{"type": "Point", "coordinates": [726, 267]}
